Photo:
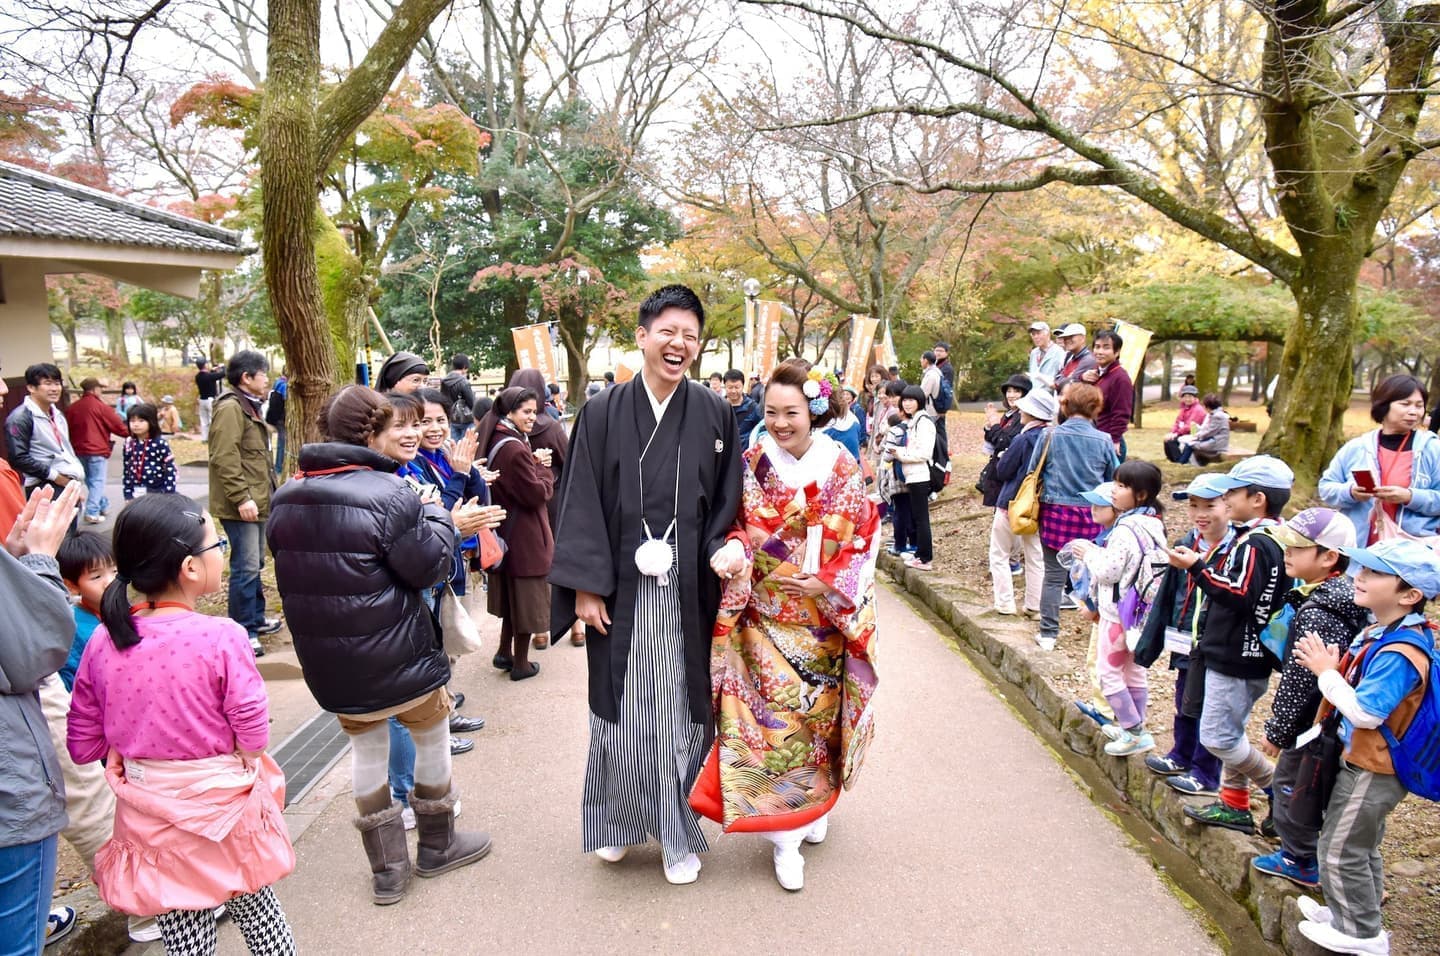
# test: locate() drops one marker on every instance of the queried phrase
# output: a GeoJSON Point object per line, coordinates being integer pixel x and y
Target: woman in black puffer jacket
{"type": "Point", "coordinates": [355, 547]}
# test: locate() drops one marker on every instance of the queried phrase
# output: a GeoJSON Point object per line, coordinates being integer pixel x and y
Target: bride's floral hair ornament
{"type": "Point", "coordinates": [820, 385]}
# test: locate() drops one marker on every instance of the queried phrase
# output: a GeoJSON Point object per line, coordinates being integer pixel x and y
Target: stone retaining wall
{"type": "Point", "coordinates": [1223, 855]}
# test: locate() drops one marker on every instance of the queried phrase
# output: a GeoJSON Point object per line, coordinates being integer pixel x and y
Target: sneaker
{"type": "Point", "coordinates": [461, 745]}
{"type": "Point", "coordinates": [915, 564]}
{"type": "Point", "coordinates": [1267, 827]}
{"type": "Point", "coordinates": [1108, 727]}
{"type": "Point", "coordinates": [59, 924]}
{"type": "Point", "coordinates": [272, 625]}
{"type": "Point", "coordinates": [1190, 785]}
{"type": "Point", "coordinates": [1286, 867]}
{"type": "Point", "coordinates": [144, 929]}
{"type": "Point", "coordinates": [1218, 814]}
{"type": "Point", "coordinates": [1068, 603]}
{"type": "Point", "coordinates": [1129, 743]}
{"type": "Point", "coordinates": [1016, 569]}
{"type": "Point", "coordinates": [1326, 936]}
{"type": "Point", "coordinates": [256, 647]}
{"type": "Point", "coordinates": [1166, 766]}
{"type": "Point", "coordinates": [1046, 643]}
{"type": "Point", "coordinates": [686, 871]}
{"type": "Point", "coordinates": [1313, 910]}
{"type": "Point", "coordinates": [91, 519]}
{"type": "Point", "coordinates": [1006, 611]}
{"type": "Point", "coordinates": [1032, 614]}
{"type": "Point", "coordinates": [461, 724]}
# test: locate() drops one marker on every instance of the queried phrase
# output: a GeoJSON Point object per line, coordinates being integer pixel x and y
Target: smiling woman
{"type": "Point", "coordinates": [1396, 465]}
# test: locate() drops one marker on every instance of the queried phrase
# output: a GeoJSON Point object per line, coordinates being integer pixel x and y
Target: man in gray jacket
{"type": "Point", "coordinates": [36, 628]}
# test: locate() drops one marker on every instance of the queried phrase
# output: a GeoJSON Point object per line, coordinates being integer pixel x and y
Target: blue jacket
{"type": "Point", "coordinates": [747, 417]}
{"type": "Point", "coordinates": [850, 437]}
{"type": "Point", "coordinates": [1014, 463]}
{"type": "Point", "coordinates": [1081, 457]}
{"type": "Point", "coordinates": [1420, 517]}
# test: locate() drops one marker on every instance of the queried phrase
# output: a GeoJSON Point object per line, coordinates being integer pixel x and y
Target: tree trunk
{"type": "Point", "coordinates": [1169, 372]}
{"type": "Point", "coordinates": [1315, 377]}
{"type": "Point", "coordinates": [115, 336]}
{"type": "Point", "coordinates": [1229, 385]}
{"type": "Point", "coordinates": [1207, 367]}
{"type": "Point", "coordinates": [287, 149]}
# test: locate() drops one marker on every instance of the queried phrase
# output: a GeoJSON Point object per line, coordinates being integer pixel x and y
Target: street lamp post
{"type": "Point", "coordinates": [751, 288]}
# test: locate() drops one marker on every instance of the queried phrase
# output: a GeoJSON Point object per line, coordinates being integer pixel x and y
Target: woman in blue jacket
{"type": "Point", "coordinates": [1081, 456]}
{"type": "Point", "coordinates": [1399, 466]}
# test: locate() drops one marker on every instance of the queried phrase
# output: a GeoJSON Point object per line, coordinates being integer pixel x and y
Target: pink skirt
{"type": "Point", "coordinates": [191, 834]}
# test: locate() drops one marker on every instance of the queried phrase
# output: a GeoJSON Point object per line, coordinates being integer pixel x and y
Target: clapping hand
{"type": "Point", "coordinates": [462, 453]}
{"type": "Point", "coordinates": [1315, 655]}
{"type": "Point", "coordinates": [45, 521]}
{"type": "Point", "coordinates": [490, 476]}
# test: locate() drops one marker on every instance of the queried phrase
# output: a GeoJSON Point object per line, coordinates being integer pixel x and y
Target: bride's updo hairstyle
{"type": "Point", "coordinates": [795, 373]}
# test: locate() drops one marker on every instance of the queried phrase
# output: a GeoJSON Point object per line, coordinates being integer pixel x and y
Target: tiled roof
{"type": "Point", "coordinates": [34, 205]}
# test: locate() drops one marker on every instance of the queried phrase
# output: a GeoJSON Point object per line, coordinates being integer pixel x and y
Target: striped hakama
{"type": "Point", "coordinates": [639, 771]}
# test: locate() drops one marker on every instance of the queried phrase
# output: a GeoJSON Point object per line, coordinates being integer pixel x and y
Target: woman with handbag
{"type": "Point", "coordinates": [1074, 458]}
{"type": "Point", "coordinates": [1037, 411]}
{"type": "Point", "coordinates": [357, 549]}
{"type": "Point", "coordinates": [519, 594]}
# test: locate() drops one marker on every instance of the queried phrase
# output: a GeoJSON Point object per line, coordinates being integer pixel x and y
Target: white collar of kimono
{"type": "Point", "coordinates": [657, 406]}
{"type": "Point", "coordinates": [814, 466]}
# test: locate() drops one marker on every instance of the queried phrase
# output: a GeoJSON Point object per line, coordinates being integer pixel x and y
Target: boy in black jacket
{"type": "Point", "coordinates": [1241, 594]}
{"type": "Point", "coordinates": [1323, 604]}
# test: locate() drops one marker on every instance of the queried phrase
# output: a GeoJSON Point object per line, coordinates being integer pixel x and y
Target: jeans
{"type": "Point", "coordinates": [1178, 453]}
{"type": "Point", "coordinates": [280, 449]}
{"type": "Point", "coordinates": [1228, 702]}
{"type": "Point", "coordinates": [458, 429]}
{"type": "Point", "coordinates": [247, 557]}
{"type": "Point", "coordinates": [1052, 593]}
{"type": "Point", "coordinates": [402, 762]}
{"type": "Point", "coordinates": [27, 877]}
{"type": "Point", "coordinates": [95, 501]}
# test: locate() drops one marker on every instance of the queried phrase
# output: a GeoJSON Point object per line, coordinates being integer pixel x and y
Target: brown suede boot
{"type": "Point", "coordinates": [383, 834]}
{"type": "Point", "coordinates": [441, 847]}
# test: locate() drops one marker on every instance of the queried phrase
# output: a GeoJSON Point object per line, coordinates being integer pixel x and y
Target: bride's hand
{"type": "Point", "coordinates": [729, 560]}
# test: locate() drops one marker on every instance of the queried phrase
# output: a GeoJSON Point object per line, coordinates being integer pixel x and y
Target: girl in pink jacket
{"type": "Point", "coordinates": [171, 699]}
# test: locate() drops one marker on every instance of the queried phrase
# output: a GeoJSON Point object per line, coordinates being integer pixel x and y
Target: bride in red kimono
{"type": "Point", "coordinates": [792, 662]}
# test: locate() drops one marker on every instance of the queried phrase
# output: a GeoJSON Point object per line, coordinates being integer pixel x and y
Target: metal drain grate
{"type": "Point", "coordinates": [308, 753]}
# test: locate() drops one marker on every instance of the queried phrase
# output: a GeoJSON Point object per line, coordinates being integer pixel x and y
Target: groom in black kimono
{"type": "Point", "coordinates": [654, 462]}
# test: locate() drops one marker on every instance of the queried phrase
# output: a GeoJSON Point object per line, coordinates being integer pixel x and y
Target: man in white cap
{"type": "Point", "coordinates": [1046, 357]}
{"type": "Point", "coordinates": [1078, 357]}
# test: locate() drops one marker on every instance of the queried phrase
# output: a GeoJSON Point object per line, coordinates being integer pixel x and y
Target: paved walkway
{"type": "Point", "coordinates": [964, 835]}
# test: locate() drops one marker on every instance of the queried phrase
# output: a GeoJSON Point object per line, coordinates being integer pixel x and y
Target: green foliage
{"type": "Point", "coordinates": [1206, 307]}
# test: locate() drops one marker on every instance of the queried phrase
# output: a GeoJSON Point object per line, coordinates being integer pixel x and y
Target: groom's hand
{"type": "Point", "coordinates": [590, 608]}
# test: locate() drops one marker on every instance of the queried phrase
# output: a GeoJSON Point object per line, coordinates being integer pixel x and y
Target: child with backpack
{"type": "Point", "coordinates": [1323, 603]}
{"type": "Point", "coordinates": [1384, 690]}
{"type": "Point", "coordinates": [1123, 585]}
{"type": "Point", "coordinates": [171, 699]}
{"type": "Point", "coordinates": [1240, 594]}
{"type": "Point", "coordinates": [1172, 626]}
{"type": "Point", "coordinates": [913, 459]}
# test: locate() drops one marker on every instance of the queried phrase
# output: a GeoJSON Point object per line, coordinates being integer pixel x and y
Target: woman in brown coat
{"type": "Point", "coordinates": [519, 594]}
{"type": "Point", "coordinates": [548, 434]}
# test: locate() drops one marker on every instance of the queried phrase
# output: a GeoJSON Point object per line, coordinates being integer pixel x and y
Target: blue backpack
{"type": "Point", "coordinates": [946, 399]}
{"type": "Point", "coordinates": [1416, 755]}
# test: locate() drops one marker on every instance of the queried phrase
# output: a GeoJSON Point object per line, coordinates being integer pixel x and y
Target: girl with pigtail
{"type": "Point", "coordinates": [170, 698]}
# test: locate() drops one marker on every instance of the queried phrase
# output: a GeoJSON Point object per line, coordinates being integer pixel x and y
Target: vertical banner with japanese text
{"type": "Point", "coordinates": [534, 349]}
{"type": "Point", "coordinates": [766, 352]}
{"type": "Point", "coordinates": [862, 338]}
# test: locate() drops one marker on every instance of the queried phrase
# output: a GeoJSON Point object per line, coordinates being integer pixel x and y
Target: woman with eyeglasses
{"type": "Point", "coordinates": [170, 698]}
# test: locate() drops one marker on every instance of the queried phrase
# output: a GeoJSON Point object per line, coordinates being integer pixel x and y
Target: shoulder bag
{"type": "Point", "coordinates": [1025, 506]}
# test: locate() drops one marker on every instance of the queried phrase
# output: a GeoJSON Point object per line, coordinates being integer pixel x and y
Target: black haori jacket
{"type": "Point", "coordinates": [600, 516]}
{"type": "Point", "coordinates": [354, 550]}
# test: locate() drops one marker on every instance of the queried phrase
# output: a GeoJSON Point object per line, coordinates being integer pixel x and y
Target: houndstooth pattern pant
{"type": "Point", "coordinates": [258, 914]}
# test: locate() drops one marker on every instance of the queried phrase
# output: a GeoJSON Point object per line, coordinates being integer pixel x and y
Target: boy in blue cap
{"type": "Point", "coordinates": [1174, 624]}
{"type": "Point", "coordinates": [1381, 681]}
{"type": "Point", "coordinates": [1241, 593]}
